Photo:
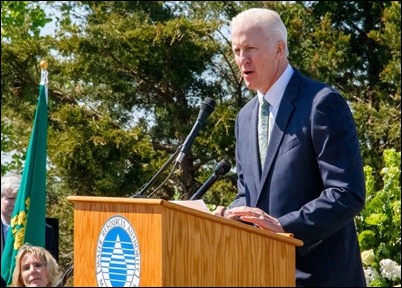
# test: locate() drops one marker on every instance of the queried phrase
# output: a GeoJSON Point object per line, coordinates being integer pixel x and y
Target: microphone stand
{"type": "Point", "coordinates": [150, 182]}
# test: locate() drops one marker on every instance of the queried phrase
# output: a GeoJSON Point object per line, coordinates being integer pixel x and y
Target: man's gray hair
{"type": "Point", "coordinates": [10, 182]}
{"type": "Point", "coordinates": [269, 20]}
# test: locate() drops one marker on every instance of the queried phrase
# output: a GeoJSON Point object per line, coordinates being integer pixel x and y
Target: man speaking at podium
{"type": "Point", "coordinates": [297, 156]}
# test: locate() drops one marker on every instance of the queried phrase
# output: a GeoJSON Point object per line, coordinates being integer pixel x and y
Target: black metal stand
{"type": "Point", "coordinates": [150, 182]}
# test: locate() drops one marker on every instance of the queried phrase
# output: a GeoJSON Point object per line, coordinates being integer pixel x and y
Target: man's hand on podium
{"type": "Point", "coordinates": [252, 215]}
{"type": "Point", "coordinates": [222, 212]}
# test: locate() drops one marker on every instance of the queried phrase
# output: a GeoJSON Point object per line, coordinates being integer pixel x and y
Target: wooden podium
{"type": "Point", "coordinates": [154, 242]}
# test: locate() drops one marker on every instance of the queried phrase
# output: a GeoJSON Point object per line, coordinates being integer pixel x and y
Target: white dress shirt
{"type": "Point", "coordinates": [274, 96]}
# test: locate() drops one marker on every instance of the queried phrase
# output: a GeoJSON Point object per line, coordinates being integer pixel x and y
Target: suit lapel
{"type": "Point", "coordinates": [253, 136]}
{"type": "Point", "coordinates": [278, 130]}
{"type": "Point", "coordinates": [2, 238]}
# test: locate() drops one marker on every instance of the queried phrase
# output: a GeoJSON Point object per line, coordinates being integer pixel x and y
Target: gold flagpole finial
{"type": "Point", "coordinates": [43, 65]}
{"type": "Point", "coordinates": [43, 77]}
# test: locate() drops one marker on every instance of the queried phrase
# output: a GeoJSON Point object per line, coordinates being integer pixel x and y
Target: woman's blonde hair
{"type": "Point", "coordinates": [52, 268]}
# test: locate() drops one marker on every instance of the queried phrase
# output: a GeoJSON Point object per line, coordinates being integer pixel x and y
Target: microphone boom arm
{"type": "Point", "coordinates": [207, 107]}
{"type": "Point", "coordinates": [160, 171]}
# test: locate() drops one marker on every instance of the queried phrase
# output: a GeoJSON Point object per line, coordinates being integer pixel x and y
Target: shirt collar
{"type": "Point", "coordinates": [5, 225]}
{"type": "Point", "coordinates": [275, 93]}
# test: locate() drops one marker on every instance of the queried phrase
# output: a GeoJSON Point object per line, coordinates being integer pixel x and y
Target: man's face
{"type": "Point", "coordinates": [7, 205]}
{"type": "Point", "coordinates": [256, 56]}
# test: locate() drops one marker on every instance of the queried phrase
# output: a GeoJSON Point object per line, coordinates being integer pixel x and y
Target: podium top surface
{"type": "Point", "coordinates": [285, 237]}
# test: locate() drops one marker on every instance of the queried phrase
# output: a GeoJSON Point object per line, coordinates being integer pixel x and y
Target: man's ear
{"type": "Point", "coordinates": [280, 48]}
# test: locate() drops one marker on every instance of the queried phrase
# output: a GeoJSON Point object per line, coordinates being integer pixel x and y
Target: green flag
{"type": "Point", "coordinates": [29, 214]}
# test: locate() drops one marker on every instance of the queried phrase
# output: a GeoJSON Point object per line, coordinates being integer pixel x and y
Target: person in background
{"type": "Point", "coordinates": [311, 181]}
{"type": "Point", "coordinates": [10, 184]}
{"type": "Point", "coordinates": [35, 267]}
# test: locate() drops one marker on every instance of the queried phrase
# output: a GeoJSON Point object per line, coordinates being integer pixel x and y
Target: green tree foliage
{"type": "Point", "coordinates": [126, 80]}
{"type": "Point", "coordinates": [370, 75]}
{"type": "Point", "coordinates": [22, 19]}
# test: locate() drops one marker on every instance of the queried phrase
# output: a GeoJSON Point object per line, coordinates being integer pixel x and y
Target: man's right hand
{"type": "Point", "coordinates": [219, 211]}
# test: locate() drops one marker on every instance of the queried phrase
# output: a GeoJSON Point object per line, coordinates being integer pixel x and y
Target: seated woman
{"type": "Point", "coordinates": [35, 267]}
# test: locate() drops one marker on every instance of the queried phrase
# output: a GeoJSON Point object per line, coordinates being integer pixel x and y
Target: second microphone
{"type": "Point", "coordinates": [221, 168]}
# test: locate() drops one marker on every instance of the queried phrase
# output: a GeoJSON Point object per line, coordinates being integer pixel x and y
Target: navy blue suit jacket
{"type": "Point", "coordinates": [312, 181]}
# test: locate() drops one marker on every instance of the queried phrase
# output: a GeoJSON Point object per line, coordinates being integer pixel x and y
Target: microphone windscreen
{"type": "Point", "coordinates": [207, 107]}
{"type": "Point", "coordinates": [222, 167]}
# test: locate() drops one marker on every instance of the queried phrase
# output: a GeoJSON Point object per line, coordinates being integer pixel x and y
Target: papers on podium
{"type": "Point", "coordinates": [194, 204]}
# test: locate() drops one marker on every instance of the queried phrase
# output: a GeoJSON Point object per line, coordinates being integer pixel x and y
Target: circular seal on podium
{"type": "Point", "coordinates": [118, 256]}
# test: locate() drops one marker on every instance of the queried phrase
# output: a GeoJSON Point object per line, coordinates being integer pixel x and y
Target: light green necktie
{"type": "Point", "coordinates": [263, 127]}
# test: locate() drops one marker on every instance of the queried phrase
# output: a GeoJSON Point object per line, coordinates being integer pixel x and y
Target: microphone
{"type": "Point", "coordinates": [221, 168]}
{"type": "Point", "coordinates": [207, 107]}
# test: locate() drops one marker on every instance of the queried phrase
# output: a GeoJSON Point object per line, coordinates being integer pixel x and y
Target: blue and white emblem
{"type": "Point", "coordinates": [118, 254]}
